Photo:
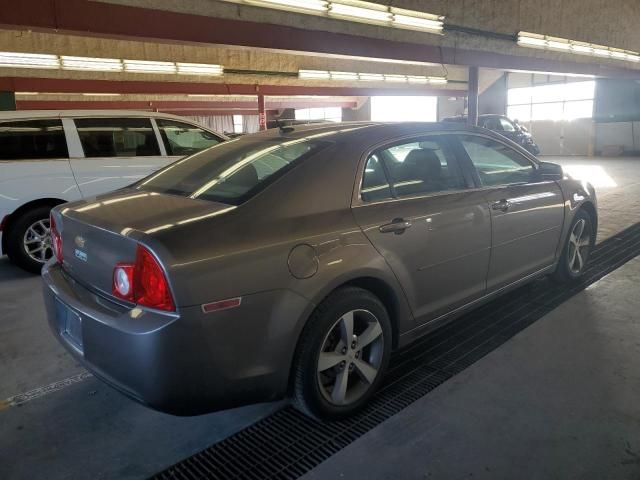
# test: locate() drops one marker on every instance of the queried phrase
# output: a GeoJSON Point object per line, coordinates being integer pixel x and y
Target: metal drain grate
{"type": "Point", "coordinates": [288, 444]}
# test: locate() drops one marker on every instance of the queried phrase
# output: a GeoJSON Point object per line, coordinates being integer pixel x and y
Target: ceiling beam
{"type": "Point", "coordinates": [57, 85]}
{"type": "Point", "coordinates": [83, 17]}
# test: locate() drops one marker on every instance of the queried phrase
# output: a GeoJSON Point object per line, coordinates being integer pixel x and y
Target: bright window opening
{"type": "Point", "coordinates": [556, 101]}
{"type": "Point", "coordinates": [329, 114]}
{"type": "Point", "coordinates": [404, 109]}
{"type": "Point", "coordinates": [238, 124]}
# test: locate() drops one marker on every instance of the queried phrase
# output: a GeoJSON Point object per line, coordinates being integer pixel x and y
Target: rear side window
{"type": "Point", "coordinates": [117, 137]}
{"type": "Point", "coordinates": [32, 140]}
{"type": "Point", "coordinates": [184, 139]}
{"type": "Point", "coordinates": [375, 186]}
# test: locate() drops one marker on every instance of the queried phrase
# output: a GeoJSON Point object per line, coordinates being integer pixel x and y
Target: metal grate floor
{"type": "Point", "coordinates": [288, 444]}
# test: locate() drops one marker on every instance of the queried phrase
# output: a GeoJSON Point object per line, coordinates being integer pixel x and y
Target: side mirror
{"type": "Point", "coordinates": [550, 171]}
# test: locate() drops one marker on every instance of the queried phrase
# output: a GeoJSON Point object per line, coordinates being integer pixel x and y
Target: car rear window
{"type": "Point", "coordinates": [233, 171]}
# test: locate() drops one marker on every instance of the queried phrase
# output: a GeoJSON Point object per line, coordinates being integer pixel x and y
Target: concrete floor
{"type": "Point", "coordinates": [76, 427]}
{"type": "Point", "coordinates": [570, 413]}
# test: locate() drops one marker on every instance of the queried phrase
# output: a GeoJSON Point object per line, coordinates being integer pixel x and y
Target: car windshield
{"type": "Point", "coordinates": [233, 171]}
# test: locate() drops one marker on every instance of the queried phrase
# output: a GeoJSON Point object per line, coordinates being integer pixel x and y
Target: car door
{"type": "Point", "coordinates": [114, 152]}
{"type": "Point", "coordinates": [527, 212]}
{"type": "Point", "coordinates": [417, 208]}
{"type": "Point", "coordinates": [181, 138]}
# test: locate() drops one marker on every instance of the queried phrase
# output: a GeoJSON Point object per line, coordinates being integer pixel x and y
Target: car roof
{"type": "Point", "coordinates": [28, 114]}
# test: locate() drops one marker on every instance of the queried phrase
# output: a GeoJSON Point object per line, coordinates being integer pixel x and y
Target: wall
{"type": "Point", "coordinates": [617, 115]}
{"type": "Point", "coordinates": [494, 98]}
{"type": "Point", "coordinates": [361, 114]}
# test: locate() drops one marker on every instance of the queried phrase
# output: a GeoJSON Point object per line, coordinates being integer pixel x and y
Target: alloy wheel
{"type": "Point", "coordinates": [350, 357]}
{"type": "Point", "coordinates": [579, 245]}
{"type": "Point", "coordinates": [37, 241]}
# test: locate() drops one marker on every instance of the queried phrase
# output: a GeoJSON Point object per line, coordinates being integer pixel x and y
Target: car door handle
{"type": "Point", "coordinates": [501, 205]}
{"type": "Point", "coordinates": [397, 226]}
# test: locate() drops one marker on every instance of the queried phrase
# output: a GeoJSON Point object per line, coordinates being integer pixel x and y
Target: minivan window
{"type": "Point", "coordinates": [184, 139]}
{"type": "Point", "coordinates": [117, 137]}
{"type": "Point", "coordinates": [231, 172]}
{"type": "Point", "coordinates": [32, 140]}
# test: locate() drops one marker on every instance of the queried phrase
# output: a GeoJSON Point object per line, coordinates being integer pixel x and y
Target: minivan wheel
{"type": "Point", "coordinates": [577, 248]}
{"type": "Point", "coordinates": [29, 241]}
{"type": "Point", "coordinates": [343, 352]}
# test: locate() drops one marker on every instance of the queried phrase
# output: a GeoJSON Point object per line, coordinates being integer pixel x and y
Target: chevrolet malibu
{"type": "Point", "coordinates": [292, 262]}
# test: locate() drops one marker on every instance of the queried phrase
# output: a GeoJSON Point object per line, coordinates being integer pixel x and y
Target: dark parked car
{"type": "Point", "coordinates": [291, 262]}
{"type": "Point", "coordinates": [504, 126]}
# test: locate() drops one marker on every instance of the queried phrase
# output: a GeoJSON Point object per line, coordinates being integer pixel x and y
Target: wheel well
{"type": "Point", "coordinates": [52, 202]}
{"type": "Point", "coordinates": [386, 295]}
{"type": "Point", "coordinates": [591, 211]}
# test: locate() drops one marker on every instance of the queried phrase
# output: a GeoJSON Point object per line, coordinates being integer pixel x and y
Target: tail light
{"type": "Point", "coordinates": [143, 282]}
{"type": "Point", "coordinates": [56, 239]}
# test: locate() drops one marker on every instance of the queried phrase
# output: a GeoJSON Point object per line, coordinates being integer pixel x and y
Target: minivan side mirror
{"type": "Point", "coordinates": [550, 171]}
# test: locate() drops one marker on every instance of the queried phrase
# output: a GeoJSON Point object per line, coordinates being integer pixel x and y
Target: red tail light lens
{"type": "Point", "coordinates": [56, 239]}
{"type": "Point", "coordinates": [143, 283]}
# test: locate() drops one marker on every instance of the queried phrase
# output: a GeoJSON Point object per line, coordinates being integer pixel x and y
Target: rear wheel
{"type": "Point", "coordinates": [577, 249]}
{"type": "Point", "coordinates": [342, 354]}
{"type": "Point", "coordinates": [29, 240]}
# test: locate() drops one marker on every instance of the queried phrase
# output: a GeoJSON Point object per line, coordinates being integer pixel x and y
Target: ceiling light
{"type": "Point", "coordinates": [101, 94]}
{"type": "Point", "coordinates": [301, 5]}
{"type": "Point", "coordinates": [29, 60]}
{"type": "Point", "coordinates": [314, 74]}
{"type": "Point", "coordinates": [343, 76]}
{"type": "Point", "coordinates": [358, 11]}
{"type": "Point", "coordinates": [91, 64]}
{"type": "Point", "coordinates": [146, 66]}
{"type": "Point", "coordinates": [199, 69]}
{"type": "Point", "coordinates": [371, 77]}
{"type": "Point", "coordinates": [544, 42]}
{"type": "Point", "coordinates": [27, 93]}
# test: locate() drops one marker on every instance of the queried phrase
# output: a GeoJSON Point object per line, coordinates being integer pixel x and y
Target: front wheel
{"type": "Point", "coordinates": [577, 248]}
{"type": "Point", "coordinates": [343, 352]}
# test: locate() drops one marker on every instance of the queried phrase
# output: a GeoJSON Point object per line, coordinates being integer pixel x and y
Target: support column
{"type": "Point", "coordinates": [472, 102]}
{"type": "Point", "coordinates": [262, 112]}
{"type": "Point", "coordinates": [7, 101]}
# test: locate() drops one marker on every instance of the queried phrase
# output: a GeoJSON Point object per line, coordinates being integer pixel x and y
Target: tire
{"type": "Point", "coordinates": [567, 269]}
{"type": "Point", "coordinates": [16, 249]}
{"type": "Point", "coordinates": [314, 387]}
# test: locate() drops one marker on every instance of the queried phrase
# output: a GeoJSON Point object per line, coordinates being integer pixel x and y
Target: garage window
{"type": "Point", "coordinates": [553, 101]}
{"type": "Point", "coordinates": [117, 137]}
{"type": "Point", "coordinates": [32, 139]}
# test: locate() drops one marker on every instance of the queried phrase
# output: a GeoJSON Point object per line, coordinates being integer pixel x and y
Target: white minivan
{"type": "Point", "coordinates": [52, 157]}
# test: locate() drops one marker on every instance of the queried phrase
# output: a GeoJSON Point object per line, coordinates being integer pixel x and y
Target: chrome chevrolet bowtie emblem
{"type": "Point", "coordinates": [80, 241]}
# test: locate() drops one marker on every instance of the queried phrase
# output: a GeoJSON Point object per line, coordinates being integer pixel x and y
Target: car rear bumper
{"type": "Point", "coordinates": [186, 363]}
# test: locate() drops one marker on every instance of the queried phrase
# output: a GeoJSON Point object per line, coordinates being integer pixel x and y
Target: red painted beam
{"type": "Point", "coordinates": [57, 85]}
{"type": "Point", "coordinates": [171, 105]}
{"type": "Point", "coordinates": [109, 20]}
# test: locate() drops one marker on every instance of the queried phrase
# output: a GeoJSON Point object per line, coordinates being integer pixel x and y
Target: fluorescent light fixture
{"type": "Point", "coordinates": [370, 77]}
{"type": "Point", "coordinates": [199, 69]}
{"type": "Point", "coordinates": [29, 60]}
{"type": "Point", "coordinates": [343, 76]}
{"type": "Point", "coordinates": [101, 94]}
{"type": "Point", "coordinates": [545, 42]}
{"type": "Point", "coordinates": [395, 78]}
{"type": "Point", "coordinates": [27, 93]}
{"type": "Point", "coordinates": [147, 66]}
{"type": "Point", "coordinates": [358, 11]}
{"type": "Point", "coordinates": [314, 74]}
{"type": "Point", "coordinates": [301, 5]}
{"type": "Point", "coordinates": [91, 64]}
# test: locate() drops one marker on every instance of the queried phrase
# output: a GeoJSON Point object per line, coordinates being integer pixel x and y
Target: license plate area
{"type": "Point", "coordinates": [70, 324]}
